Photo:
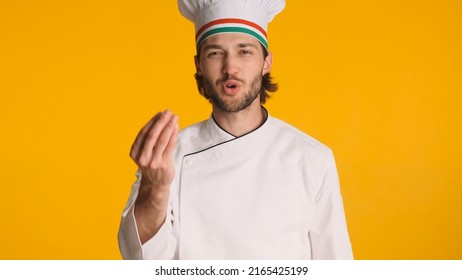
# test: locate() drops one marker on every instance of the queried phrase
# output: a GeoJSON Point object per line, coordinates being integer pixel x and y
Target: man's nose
{"type": "Point", "coordinates": [230, 65]}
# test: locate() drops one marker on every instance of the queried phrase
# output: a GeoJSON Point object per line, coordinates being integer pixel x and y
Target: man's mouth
{"type": "Point", "coordinates": [231, 86]}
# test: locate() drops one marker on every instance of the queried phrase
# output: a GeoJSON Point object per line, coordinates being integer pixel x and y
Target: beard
{"type": "Point", "coordinates": [237, 105]}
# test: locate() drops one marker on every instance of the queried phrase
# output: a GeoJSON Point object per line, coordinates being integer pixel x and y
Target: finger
{"type": "Point", "coordinates": [152, 137]}
{"type": "Point", "coordinates": [140, 138]}
{"type": "Point", "coordinates": [172, 143]}
{"type": "Point", "coordinates": [164, 139]}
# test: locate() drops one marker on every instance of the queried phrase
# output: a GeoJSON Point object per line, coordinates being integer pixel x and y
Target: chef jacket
{"type": "Point", "coordinates": [272, 193]}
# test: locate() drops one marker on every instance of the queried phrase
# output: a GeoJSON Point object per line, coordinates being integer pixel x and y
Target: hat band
{"type": "Point", "coordinates": [231, 25]}
{"type": "Point", "coordinates": [231, 30]}
{"type": "Point", "coordinates": [232, 21]}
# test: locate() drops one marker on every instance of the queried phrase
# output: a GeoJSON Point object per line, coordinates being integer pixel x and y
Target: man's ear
{"type": "Point", "coordinates": [267, 64]}
{"type": "Point", "coordinates": [198, 67]}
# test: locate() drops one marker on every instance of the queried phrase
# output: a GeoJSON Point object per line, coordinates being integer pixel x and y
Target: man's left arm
{"type": "Point", "coordinates": [329, 234]}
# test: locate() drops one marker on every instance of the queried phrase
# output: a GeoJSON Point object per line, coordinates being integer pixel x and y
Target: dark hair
{"type": "Point", "coordinates": [266, 83]}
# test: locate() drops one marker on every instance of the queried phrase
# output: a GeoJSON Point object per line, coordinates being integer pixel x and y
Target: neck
{"type": "Point", "coordinates": [242, 122]}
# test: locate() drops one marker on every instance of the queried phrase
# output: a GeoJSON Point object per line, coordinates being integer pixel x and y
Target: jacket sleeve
{"type": "Point", "coordinates": [329, 234]}
{"type": "Point", "coordinates": [162, 246]}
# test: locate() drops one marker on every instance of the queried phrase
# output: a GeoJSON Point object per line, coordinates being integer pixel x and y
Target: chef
{"type": "Point", "coordinates": [242, 184]}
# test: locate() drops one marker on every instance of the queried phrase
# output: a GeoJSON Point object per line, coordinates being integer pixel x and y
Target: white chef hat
{"type": "Point", "coordinates": [212, 17]}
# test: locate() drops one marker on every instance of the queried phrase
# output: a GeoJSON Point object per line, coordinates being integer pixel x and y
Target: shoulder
{"type": "Point", "coordinates": [192, 130]}
{"type": "Point", "coordinates": [314, 157]}
{"type": "Point", "coordinates": [193, 135]}
{"type": "Point", "coordinates": [192, 138]}
{"type": "Point", "coordinates": [285, 132]}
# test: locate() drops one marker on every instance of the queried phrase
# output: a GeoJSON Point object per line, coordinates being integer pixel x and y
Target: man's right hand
{"type": "Point", "coordinates": [152, 151]}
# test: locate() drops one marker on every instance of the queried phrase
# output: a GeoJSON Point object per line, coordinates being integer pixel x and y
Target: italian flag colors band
{"type": "Point", "coordinates": [231, 25]}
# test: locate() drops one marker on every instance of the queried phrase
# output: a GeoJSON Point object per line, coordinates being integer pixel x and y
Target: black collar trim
{"type": "Point", "coordinates": [236, 137]}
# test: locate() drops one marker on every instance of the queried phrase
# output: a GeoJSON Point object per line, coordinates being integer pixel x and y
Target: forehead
{"type": "Point", "coordinates": [228, 40]}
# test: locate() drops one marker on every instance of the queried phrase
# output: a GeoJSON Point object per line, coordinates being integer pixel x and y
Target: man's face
{"type": "Point", "coordinates": [231, 66]}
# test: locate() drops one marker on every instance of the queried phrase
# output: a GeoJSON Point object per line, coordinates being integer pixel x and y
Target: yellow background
{"type": "Point", "coordinates": [377, 81]}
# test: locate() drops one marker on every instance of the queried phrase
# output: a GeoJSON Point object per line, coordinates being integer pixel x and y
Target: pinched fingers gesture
{"type": "Point", "coordinates": [153, 149]}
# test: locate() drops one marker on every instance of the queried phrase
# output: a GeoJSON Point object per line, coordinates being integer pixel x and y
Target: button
{"type": "Point", "coordinates": [189, 161]}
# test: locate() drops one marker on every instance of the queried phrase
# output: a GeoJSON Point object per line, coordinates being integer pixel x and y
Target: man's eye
{"type": "Point", "coordinates": [214, 53]}
{"type": "Point", "coordinates": [245, 52]}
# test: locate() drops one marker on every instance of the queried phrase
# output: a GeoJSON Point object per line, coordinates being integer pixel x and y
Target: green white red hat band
{"type": "Point", "coordinates": [231, 25]}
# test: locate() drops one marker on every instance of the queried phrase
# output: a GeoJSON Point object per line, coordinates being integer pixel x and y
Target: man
{"type": "Point", "coordinates": [242, 184]}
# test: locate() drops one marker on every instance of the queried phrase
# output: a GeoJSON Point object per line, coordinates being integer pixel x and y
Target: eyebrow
{"type": "Point", "coordinates": [241, 45]}
{"type": "Point", "coordinates": [208, 47]}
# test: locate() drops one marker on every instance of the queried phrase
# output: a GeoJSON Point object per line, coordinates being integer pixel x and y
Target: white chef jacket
{"type": "Point", "coordinates": [270, 194]}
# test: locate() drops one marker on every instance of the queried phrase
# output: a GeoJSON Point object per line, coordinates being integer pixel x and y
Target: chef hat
{"type": "Point", "coordinates": [212, 17]}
